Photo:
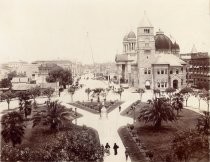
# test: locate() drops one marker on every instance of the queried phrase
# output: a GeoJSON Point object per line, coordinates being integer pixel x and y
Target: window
{"type": "Point", "coordinates": [171, 71]}
{"type": "Point", "coordinates": [177, 71]}
{"type": "Point", "coordinates": [145, 71]}
{"type": "Point", "coordinates": [165, 84]}
{"type": "Point", "coordinates": [158, 71]}
{"type": "Point", "coordinates": [146, 44]}
{"type": "Point", "coordinates": [162, 71]}
{"type": "Point", "coordinates": [181, 81]}
{"type": "Point", "coordinates": [182, 69]}
{"type": "Point", "coordinates": [146, 30]}
{"type": "Point", "coordinates": [162, 84]}
{"type": "Point", "coordinates": [158, 84]}
{"type": "Point", "coordinates": [149, 71]}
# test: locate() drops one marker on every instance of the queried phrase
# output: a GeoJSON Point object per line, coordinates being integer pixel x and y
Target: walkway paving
{"type": "Point", "coordinates": [106, 127]}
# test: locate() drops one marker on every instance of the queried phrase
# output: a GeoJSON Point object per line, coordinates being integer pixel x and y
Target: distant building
{"type": "Point", "coordinates": [150, 61]}
{"type": "Point", "coordinates": [15, 65]}
{"type": "Point", "coordinates": [198, 68]}
{"type": "Point", "coordinates": [75, 67]}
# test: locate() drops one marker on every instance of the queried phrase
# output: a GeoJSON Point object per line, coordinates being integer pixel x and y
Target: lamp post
{"type": "Point", "coordinates": [134, 115]}
{"type": "Point", "coordinates": [75, 115]}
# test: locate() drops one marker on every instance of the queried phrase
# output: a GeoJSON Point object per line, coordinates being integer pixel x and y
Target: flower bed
{"type": "Point", "coordinates": [95, 107]}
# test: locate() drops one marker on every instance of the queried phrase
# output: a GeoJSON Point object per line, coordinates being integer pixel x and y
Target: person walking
{"type": "Point", "coordinates": [115, 148]}
{"type": "Point", "coordinates": [119, 108]}
{"type": "Point", "coordinates": [126, 153]}
{"type": "Point", "coordinates": [107, 148]}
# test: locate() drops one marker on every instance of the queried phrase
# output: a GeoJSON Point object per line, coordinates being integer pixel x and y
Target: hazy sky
{"type": "Point", "coordinates": [50, 29]}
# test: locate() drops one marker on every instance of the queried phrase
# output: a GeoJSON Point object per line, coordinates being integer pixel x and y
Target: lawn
{"type": "Point", "coordinates": [94, 107]}
{"type": "Point", "coordinates": [70, 143]}
{"type": "Point", "coordinates": [159, 141]}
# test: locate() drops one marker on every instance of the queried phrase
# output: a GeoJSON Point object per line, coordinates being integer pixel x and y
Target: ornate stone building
{"type": "Point", "coordinates": [150, 61]}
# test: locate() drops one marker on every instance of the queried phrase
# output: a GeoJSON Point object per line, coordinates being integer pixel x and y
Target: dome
{"type": "Point", "coordinates": [125, 37]}
{"type": "Point", "coordinates": [131, 35]}
{"type": "Point", "coordinates": [162, 42]}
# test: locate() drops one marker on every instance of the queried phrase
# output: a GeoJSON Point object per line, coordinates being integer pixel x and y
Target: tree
{"type": "Point", "coordinates": [88, 91]}
{"type": "Point", "coordinates": [5, 83]}
{"type": "Point", "coordinates": [156, 91]}
{"type": "Point", "coordinates": [12, 127]}
{"type": "Point", "coordinates": [35, 92]}
{"type": "Point", "coordinates": [97, 92]}
{"type": "Point", "coordinates": [72, 90]}
{"type": "Point", "coordinates": [11, 75]}
{"type": "Point", "coordinates": [24, 102]}
{"type": "Point", "coordinates": [203, 124]}
{"type": "Point", "coordinates": [186, 93]}
{"type": "Point", "coordinates": [120, 91]}
{"type": "Point", "coordinates": [58, 74]}
{"type": "Point", "coordinates": [140, 91]}
{"type": "Point", "coordinates": [156, 112]}
{"type": "Point", "coordinates": [48, 92]}
{"type": "Point", "coordinates": [177, 102]}
{"type": "Point", "coordinates": [187, 143]}
{"type": "Point", "coordinates": [55, 116]}
{"type": "Point", "coordinates": [206, 97]}
{"type": "Point", "coordinates": [170, 92]}
{"type": "Point", "coordinates": [8, 96]}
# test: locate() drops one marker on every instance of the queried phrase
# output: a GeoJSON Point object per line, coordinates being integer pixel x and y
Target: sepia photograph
{"type": "Point", "coordinates": [105, 80]}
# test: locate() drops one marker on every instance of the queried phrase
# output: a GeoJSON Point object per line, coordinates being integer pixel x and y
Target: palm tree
{"type": "Point", "coordinates": [8, 95]}
{"type": "Point", "coordinates": [35, 92]}
{"type": "Point", "coordinates": [12, 127]}
{"type": "Point", "coordinates": [120, 91]}
{"type": "Point", "coordinates": [140, 91]}
{"type": "Point", "coordinates": [88, 91]}
{"type": "Point", "coordinates": [97, 92]}
{"type": "Point", "coordinates": [55, 117]}
{"type": "Point", "coordinates": [159, 110]}
{"type": "Point", "coordinates": [177, 102]}
{"type": "Point", "coordinates": [186, 93]}
{"type": "Point", "coordinates": [24, 102]}
{"type": "Point", "coordinates": [48, 92]}
{"type": "Point", "coordinates": [170, 92]}
{"type": "Point", "coordinates": [156, 91]}
{"type": "Point", "coordinates": [72, 90]}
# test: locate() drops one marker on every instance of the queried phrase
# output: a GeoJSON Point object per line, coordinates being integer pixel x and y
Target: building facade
{"type": "Point", "coordinates": [150, 61]}
{"type": "Point", "coordinates": [198, 68]}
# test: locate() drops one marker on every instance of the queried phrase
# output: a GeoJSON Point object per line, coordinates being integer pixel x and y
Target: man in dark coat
{"type": "Point", "coordinates": [115, 148]}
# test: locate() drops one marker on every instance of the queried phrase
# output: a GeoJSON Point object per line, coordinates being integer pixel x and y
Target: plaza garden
{"type": "Point", "coordinates": [163, 130]}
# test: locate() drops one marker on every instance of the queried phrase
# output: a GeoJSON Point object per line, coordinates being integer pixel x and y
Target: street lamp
{"type": "Point", "coordinates": [133, 109]}
{"type": "Point", "coordinates": [75, 115]}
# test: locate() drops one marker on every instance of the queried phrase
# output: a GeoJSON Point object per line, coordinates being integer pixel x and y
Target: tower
{"type": "Point", "coordinates": [145, 51]}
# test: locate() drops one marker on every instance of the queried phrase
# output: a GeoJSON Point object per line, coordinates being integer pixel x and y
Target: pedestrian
{"type": "Point", "coordinates": [126, 153]}
{"type": "Point", "coordinates": [119, 108]}
{"type": "Point", "coordinates": [115, 148]}
{"type": "Point", "coordinates": [107, 148]}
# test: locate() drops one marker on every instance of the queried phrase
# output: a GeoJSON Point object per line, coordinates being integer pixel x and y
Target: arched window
{"type": "Point", "coordinates": [149, 71]}
{"type": "Point", "coordinates": [158, 84]}
{"type": "Point", "coordinates": [145, 71]}
{"type": "Point", "coordinates": [177, 71]}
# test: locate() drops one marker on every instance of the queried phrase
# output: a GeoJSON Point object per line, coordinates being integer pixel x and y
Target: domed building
{"type": "Point", "coordinates": [150, 61]}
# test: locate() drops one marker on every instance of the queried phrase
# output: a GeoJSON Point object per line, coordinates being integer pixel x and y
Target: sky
{"type": "Point", "coordinates": [93, 30]}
